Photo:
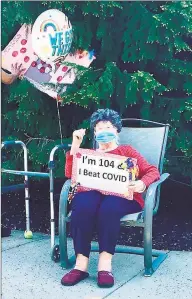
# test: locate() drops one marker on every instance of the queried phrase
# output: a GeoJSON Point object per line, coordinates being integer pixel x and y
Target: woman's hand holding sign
{"type": "Point", "coordinates": [77, 140]}
{"type": "Point", "coordinates": [137, 186]}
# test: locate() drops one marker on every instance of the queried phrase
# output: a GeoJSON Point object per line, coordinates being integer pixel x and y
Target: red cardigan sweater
{"type": "Point", "coordinates": [147, 173]}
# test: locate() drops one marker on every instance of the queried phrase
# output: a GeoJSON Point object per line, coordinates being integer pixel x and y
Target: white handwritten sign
{"type": "Point", "coordinates": [101, 171]}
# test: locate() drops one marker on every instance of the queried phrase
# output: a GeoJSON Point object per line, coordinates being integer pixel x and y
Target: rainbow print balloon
{"type": "Point", "coordinates": [52, 35]}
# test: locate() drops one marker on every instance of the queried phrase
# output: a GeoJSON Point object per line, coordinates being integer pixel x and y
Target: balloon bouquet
{"type": "Point", "coordinates": [44, 52]}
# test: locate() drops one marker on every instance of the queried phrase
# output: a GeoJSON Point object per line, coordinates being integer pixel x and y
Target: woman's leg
{"type": "Point", "coordinates": [83, 218]}
{"type": "Point", "coordinates": [112, 209]}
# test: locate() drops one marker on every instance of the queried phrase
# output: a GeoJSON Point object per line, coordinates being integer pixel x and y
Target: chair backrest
{"type": "Point", "coordinates": [149, 141]}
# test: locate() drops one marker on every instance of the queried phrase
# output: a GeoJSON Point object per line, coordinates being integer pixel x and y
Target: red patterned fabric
{"type": "Point", "coordinates": [147, 173]}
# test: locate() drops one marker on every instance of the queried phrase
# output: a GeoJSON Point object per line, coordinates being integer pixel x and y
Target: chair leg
{"type": "Point", "coordinates": [148, 243]}
{"type": "Point", "coordinates": [65, 261]}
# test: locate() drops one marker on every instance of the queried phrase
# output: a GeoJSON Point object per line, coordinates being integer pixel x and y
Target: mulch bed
{"type": "Point", "coordinates": [172, 226]}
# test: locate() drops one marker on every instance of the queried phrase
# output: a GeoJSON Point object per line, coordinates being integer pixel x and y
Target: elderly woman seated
{"type": "Point", "coordinates": [92, 208]}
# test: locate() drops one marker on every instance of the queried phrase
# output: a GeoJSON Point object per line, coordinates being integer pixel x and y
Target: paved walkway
{"type": "Point", "coordinates": [29, 273]}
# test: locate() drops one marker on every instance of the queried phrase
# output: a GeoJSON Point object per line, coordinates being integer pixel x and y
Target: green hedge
{"type": "Point", "coordinates": [143, 69]}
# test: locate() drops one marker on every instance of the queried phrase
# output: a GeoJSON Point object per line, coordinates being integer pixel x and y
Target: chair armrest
{"type": "Point", "coordinates": [149, 200]}
{"type": "Point", "coordinates": [64, 197]}
{"type": "Point", "coordinates": [153, 187]}
{"type": "Point", "coordinates": [150, 195]}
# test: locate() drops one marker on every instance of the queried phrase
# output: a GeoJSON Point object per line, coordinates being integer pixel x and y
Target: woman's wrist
{"type": "Point", "coordinates": [74, 149]}
{"type": "Point", "coordinates": [143, 187]}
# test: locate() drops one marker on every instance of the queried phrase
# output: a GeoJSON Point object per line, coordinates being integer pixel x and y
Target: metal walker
{"type": "Point", "coordinates": [51, 165]}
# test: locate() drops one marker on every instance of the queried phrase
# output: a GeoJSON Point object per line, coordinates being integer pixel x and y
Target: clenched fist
{"type": "Point", "coordinates": [77, 140]}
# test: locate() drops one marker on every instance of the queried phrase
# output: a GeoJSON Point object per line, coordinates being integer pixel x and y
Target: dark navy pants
{"type": "Point", "coordinates": [92, 209]}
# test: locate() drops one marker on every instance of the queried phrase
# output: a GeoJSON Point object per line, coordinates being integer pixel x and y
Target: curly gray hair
{"type": "Point", "coordinates": [106, 115]}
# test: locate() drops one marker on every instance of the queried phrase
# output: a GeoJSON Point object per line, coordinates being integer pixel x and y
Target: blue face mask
{"type": "Point", "coordinates": [105, 137]}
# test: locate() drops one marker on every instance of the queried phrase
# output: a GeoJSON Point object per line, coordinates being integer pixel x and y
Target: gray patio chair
{"type": "Point", "coordinates": [150, 142]}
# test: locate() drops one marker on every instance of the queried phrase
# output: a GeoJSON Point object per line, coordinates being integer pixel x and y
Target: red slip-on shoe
{"type": "Point", "coordinates": [105, 279]}
{"type": "Point", "coordinates": [73, 277]}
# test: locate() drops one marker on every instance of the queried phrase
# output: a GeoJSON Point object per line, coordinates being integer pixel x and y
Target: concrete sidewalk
{"type": "Point", "coordinates": [29, 273]}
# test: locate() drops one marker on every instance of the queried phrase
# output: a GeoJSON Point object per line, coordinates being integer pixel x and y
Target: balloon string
{"type": "Point", "coordinates": [59, 118]}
